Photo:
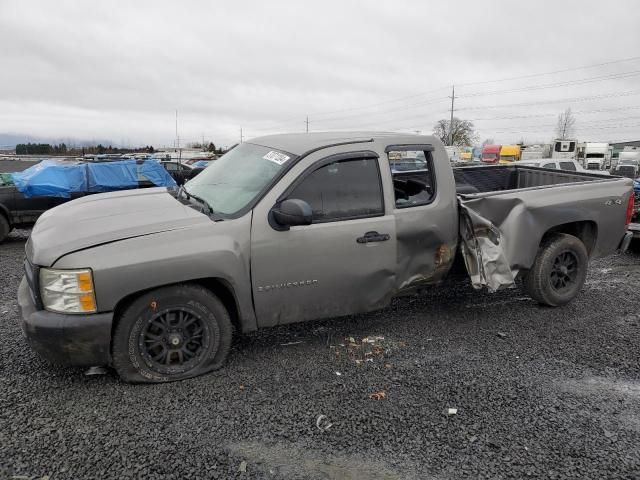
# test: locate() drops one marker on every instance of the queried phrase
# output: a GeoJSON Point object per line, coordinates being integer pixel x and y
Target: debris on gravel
{"type": "Point", "coordinates": [559, 399]}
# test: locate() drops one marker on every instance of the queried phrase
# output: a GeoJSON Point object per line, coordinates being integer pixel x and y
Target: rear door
{"type": "Point", "coordinates": [426, 216]}
{"type": "Point", "coordinates": [341, 264]}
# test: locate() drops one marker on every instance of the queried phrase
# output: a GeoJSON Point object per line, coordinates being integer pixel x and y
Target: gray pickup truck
{"type": "Point", "coordinates": [290, 228]}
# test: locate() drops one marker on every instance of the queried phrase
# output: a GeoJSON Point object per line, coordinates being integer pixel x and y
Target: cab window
{"type": "Point", "coordinates": [342, 190]}
{"type": "Point", "coordinates": [549, 165]}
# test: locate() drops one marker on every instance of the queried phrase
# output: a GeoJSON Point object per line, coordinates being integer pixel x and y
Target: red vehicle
{"type": "Point", "coordinates": [491, 153]}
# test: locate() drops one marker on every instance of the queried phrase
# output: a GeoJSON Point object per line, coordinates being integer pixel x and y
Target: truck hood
{"type": "Point", "coordinates": [105, 218]}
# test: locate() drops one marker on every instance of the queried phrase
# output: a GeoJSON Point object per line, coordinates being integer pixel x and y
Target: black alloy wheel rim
{"type": "Point", "coordinates": [174, 340]}
{"type": "Point", "coordinates": [564, 271]}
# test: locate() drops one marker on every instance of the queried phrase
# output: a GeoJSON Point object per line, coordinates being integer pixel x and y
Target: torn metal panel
{"type": "Point", "coordinates": [483, 253]}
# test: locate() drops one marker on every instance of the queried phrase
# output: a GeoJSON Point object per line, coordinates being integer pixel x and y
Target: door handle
{"type": "Point", "coordinates": [370, 237]}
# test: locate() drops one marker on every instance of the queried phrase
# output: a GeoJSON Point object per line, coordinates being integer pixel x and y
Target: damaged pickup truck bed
{"type": "Point", "coordinates": [290, 228]}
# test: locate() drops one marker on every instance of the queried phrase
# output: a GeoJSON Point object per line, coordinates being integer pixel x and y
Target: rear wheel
{"type": "Point", "coordinates": [171, 333]}
{"type": "Point", "coordinates": [559, 270]}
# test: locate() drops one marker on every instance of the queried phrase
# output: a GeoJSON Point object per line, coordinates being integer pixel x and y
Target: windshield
{"type": "Point", "coordinates": [234, 180]}
{"type": "Point", "coordinates": [489, 155]}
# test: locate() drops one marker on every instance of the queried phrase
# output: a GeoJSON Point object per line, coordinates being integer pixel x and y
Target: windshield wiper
{"type": "Point", "coordinates": [196, 198]}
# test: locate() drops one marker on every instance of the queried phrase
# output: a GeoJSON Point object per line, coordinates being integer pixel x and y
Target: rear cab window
{"type": "Point", "coordinates": [567, 166]}
{"type": "Point", "coordinates": [412, 175]}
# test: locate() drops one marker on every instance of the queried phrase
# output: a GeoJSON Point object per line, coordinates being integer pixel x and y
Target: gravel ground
{"type": "Point", "coordinates": [539, 392]}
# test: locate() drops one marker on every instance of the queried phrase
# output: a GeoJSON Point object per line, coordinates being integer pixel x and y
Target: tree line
{"type": "Point", "coordinates": [63, 149]}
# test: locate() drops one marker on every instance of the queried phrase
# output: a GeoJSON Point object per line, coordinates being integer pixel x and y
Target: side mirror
{"type": "Point", "coordinates": [292, 212]}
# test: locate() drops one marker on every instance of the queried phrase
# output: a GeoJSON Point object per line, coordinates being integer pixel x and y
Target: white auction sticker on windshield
{"type": "Point", "coordinates": [276, 157]}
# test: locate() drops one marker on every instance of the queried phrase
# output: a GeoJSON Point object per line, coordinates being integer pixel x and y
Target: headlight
{"type": "Point", "coordinates": [67, 291]}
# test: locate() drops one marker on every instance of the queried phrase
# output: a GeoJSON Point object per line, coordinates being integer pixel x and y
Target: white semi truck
{"type": "Point", "coordinates": [597, 156]}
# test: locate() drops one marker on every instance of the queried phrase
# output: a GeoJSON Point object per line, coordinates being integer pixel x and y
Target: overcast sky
{"type": "Point", "coordinates": [120, 69]}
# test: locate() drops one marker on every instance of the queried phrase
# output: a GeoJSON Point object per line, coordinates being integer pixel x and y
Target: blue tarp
{"type": "Point", "coordinates": [109, 176]}
{"type": "Point", "coordinates": [50, 178]}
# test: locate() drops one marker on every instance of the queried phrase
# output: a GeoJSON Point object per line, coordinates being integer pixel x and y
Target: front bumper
{"type": "Point", "coordinates": [77, 340]}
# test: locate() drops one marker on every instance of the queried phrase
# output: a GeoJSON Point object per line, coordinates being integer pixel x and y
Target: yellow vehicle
{"type": "Point", "coordinates": [466, 154]}
{"type": "Point", "coordinates": [510, 153]}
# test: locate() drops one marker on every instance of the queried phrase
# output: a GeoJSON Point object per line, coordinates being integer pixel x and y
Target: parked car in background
{"type": "Point", "coordinates": [198, 167]}
{"type": "Point", "coordinates": [181, 172]}
{"type": "Point", "coordinates": [201, 163]}
{"type": "Point", "coordinates": [628, 165]}
{"type": "Point", "coordinates": [26, 195]}
{"type": "Point", "coordinates": [490, 153]}
{"type": "Point", "coordinates": [299, 227]}
{"type": "Point", "coordinates": [558, 164]}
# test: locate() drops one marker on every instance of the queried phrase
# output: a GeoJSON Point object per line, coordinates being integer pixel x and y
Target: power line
{"type": "Point", "coordinates": [563, 100]}
{"type": "Point", "coordinates": [535, 115]}
{"type": "Point", "coordinates": [482, 82]}
{"type": "Point", "coordinates": [582, 81]}
{"type": "Point", "coordinates": [584, 67]}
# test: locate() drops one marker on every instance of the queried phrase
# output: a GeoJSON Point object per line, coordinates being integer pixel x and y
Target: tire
{"type": "Point", "coordinates": [559, 270]}
{"type": "Point", "coordinates": [171, 333]}
{"type": "Point", "coordinates": [5, 228]}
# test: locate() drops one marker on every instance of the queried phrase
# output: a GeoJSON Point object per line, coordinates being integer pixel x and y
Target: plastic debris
{"type": "Point", "coordinates": [96, 371]}
{"type": "Point", "coordinates": [322, 423]}
{"type": "Point", "coordinates": [339, 374]}
{"type": "Point", "coordinates": [381, 395]}
{"type": "Point", "coordinates": [452, 411]}
{"type": "Point", "coordinates": [290, 343]}
{"type": "Point", "coordinates": [243, 466]}
{"type": "Point", "coordinates": [502, 335]}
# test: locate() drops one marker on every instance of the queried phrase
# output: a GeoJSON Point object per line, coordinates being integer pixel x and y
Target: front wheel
{"type": "Point", "coordinates": [171, 333]}
{"type": "Point", "coordinates": [559, 270]}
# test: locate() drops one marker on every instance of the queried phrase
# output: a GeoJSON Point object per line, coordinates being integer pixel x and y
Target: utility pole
{"type": "Point", "coordinates": [307, 122]}
{"type": "Point", "coordinates": [240, 134]}
{"type": "Point", "coordinates": [178, 139]}
{"type": "Point", "coordinates": [453, 96]}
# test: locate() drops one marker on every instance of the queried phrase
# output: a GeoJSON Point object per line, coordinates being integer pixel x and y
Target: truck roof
{"type": "Point", "coordinates": [300, 143]}
{"type": "Point", "coordinates": [491, 148]}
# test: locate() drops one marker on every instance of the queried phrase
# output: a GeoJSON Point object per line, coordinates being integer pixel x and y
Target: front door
{"type": "Point", "coordinates": [341, 264]}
